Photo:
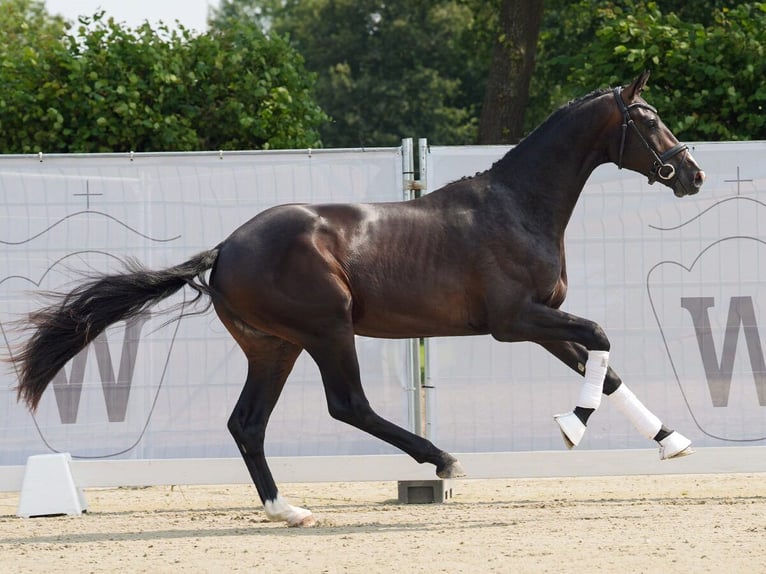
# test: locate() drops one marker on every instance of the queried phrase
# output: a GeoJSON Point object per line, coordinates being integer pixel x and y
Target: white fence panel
{"type": "Point", "coordinates": [678, 284]}
{"type": "Point", "coordinates": [652, 269]}
{"type": "Point", "coordinates": [67, 214]}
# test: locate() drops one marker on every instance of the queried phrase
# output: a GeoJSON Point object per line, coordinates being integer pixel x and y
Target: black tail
{"type": "Point", "coordinates": [64, 328]}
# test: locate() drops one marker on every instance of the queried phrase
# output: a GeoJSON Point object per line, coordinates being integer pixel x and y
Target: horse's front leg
{"type": "Point", "coordinates": [672, 443]}
{"type": "Point", "coordinates": [538, 322]}
{"type": "Point", "coordinates": [583, 346]}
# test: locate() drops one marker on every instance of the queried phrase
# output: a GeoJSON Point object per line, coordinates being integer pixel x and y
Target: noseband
{"type": "Point", "coordinates": [660, 168]}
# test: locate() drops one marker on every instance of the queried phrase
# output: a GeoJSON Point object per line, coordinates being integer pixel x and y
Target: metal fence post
{"type": "Point", "coordinates": [428, 388]}
{"type": "Point", "coordinates": [415, 403]}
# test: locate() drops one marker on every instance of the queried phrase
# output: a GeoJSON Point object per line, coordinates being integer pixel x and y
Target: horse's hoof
{"type": "Point", "coordinates": [675, 445]}
{"type": "Point", "coordinates": [571, 427]}
{"type": "Point", "coordinates": [305, 522]}
{"type": "Point", "coordinates": [452, 469]}
{"type": "Point", "coordinates": [278, 510]}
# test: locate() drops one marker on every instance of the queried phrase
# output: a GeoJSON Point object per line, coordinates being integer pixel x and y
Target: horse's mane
{"type": "Point", "coordinates": [554, 118]}
{"type": "Point", "coordinates": [587, 97]}
{"type": "Point", "coordinates": [573, 105]}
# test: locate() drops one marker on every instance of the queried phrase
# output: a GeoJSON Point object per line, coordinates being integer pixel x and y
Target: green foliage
{"type": "Point", "coordinates": [707, 75]}
{"type": "Point", "coordinates": [381, 70]}
{"type": "Point", "coordinates": [255, 91]}
{"type": "Point", "coordinates": [417, 67]}
{"type": "Point", "coordinates": [385, 69]}
{"type": "Point", "coordinates": [107, 88]}
{"type": "Point", "coordinates": [31, 48]}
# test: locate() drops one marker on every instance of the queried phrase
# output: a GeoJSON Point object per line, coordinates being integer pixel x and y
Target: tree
{"type": "Point", "coordinates": [258, 11]}
{"type": "Point", "coordinates": [31, 48]}
{"type": "Point", "coordinates": [24, 22]}
{"type": "Point", "coordinates": [385, 69]}
{"type": "Point", "coordinates": [707, 61]}
{"type": "Point", "coordinates": [513, 61]}
{"type": "Point", "coordinates": [107, 88]}
{"type": "Point", "coordinates": [256, 92]}
{"type": "Point", "coordinates": [420, 68]}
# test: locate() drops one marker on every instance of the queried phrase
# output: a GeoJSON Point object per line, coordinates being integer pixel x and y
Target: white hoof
{"type": "Point", "coordinates": [278, 510]}
{"type": "Point", "coordinates": [675, 445]}
{"type": "Point", "coordinates": [571, 427]}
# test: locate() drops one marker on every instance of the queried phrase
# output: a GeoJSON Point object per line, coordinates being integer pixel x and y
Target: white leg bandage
{"type": "Point", "coordinates": [626, 402]}
{"type": "Point", "coordinates": [572, 428]}
{"type": "Point", "coordinates": [595, 372]}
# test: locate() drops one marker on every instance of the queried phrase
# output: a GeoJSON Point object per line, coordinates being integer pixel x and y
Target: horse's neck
{"type": "Point", "coordinates": [547, 171]}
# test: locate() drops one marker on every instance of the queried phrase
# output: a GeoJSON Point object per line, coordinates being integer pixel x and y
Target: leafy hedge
{"type": "Point", "coordinates": [106, 87]}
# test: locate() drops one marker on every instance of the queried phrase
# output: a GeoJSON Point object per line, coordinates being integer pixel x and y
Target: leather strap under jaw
{"type": "Point", "coordinates": [660, 168]}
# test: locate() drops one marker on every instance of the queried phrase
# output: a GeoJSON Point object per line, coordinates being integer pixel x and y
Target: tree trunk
{"type": "Point", "coordinates": [513, 61]}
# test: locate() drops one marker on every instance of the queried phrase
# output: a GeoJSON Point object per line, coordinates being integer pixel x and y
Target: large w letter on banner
{"type": "Point", "coordinates": [116, 390]}
{"type": "Point", "coordinates": [741, 312]}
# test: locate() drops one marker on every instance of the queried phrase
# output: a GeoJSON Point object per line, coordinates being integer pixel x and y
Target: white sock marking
{"type": "Point", "coordinates": [279, 510]}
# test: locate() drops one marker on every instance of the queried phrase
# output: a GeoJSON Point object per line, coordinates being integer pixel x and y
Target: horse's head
{"type": "Point", "coordinates": [647, 146]}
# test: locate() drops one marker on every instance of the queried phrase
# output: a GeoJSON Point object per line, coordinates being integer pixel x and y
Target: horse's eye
{"type": "Point", "coordinates": [652, 123]}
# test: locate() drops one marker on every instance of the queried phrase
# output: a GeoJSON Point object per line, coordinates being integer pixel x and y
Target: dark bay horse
{"type": "Point", "coordinates": [483, 255]}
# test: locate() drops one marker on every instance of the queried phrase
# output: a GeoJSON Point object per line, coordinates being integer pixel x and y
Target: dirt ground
{"type": "Point", "coordinates": [688, 523]}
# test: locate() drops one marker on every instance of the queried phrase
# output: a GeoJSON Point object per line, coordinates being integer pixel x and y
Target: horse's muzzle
{"type": "Point", "coordinates": [689, 177]}
{"type": "Point", "coordinates": [699, 179]}
{"type": "Point", "coordinates": [680, 188]}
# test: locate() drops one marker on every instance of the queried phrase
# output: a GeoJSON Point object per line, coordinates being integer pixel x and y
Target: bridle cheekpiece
{"type": "Point", "coordinates": [660, 168]}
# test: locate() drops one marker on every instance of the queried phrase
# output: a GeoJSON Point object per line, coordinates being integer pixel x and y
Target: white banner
{"type": "Point", "coordinates": [148, 389]}
{"type": "Point", "coordinates": [678, 284]}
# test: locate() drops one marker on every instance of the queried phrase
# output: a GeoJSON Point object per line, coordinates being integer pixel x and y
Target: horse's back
{"type": "Point", "coordinates": [388, 269]}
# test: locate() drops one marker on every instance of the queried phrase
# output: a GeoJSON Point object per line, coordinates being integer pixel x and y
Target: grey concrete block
{"type": "Point", "coordinates": [424, 491]}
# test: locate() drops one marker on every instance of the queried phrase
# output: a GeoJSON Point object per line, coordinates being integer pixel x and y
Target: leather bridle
{"type": "Point", "coordinates": [660, 168]}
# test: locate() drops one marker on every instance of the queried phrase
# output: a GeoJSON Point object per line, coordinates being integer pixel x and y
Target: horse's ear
{"type": "Point", "coordinates": [634, 90]}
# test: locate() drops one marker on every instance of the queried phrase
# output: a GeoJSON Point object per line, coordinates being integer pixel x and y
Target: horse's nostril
{"type": "Point", "coordinates": [699, 178]}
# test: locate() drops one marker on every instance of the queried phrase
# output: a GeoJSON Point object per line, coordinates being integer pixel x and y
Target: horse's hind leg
{"type": "Point", "coordinates": [672, 443]}
{"type": "Point", "coordinates": [337, 361]}
{"type": "Point", "coordinates": [270, 361]}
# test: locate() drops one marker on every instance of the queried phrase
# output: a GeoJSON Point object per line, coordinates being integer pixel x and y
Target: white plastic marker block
{"type": "Point", "coordinates": [48, 488]}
